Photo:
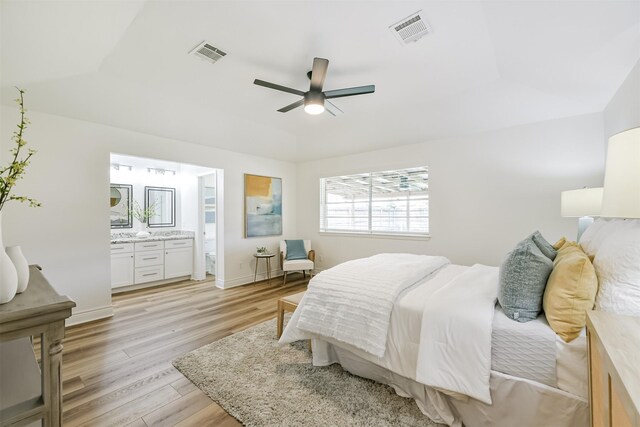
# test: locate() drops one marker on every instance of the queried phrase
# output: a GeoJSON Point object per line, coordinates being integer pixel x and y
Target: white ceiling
{"type": "Point", "coordinates": [487, 65]}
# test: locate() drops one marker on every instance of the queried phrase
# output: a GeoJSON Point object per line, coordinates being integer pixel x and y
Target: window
{"type": "Point", "coordinates": [389, 202]}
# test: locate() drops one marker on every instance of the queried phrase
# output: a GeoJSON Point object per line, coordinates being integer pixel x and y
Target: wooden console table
{"type": "Point", "coordinates": [38, 311]}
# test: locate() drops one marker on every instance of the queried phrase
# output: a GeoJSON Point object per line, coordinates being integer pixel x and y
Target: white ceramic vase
{"type": "Point", "coordinates": [143, 234]}
{"type": "Point", "coordinates": [21, 265]}
{"type": "Point", "coordinates": [8, 274]}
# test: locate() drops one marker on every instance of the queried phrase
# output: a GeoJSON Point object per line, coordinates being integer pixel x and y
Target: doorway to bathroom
{"type": "Point", "coordinates": [164, 222]}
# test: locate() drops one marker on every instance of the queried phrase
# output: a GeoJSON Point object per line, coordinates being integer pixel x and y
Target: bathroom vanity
{"type": "Point", "coordinates": [156, 260]}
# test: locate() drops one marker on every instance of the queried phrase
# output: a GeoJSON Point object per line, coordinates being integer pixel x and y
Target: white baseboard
{"type": "Point", "coordinates": [245, 280]}
{"type": "Point", "coordinates": [149, 284]}
{"type": "Point", "coordinates": [89, 315]}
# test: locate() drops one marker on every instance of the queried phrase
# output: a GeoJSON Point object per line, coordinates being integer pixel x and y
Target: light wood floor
{"type": "Point", "coordinates": [118, 371]}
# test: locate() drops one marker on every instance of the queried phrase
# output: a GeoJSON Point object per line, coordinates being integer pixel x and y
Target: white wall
{"type": "Point", "coordinates": [487, 191]}
{"type": "Point", "coordinates": [69, 235]}
{"type": "Point", "coordinates": [623, 111]}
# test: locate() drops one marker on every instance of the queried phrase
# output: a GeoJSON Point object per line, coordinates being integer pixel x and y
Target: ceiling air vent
{"type": "Point", "coordinates": [208, 52]}
{"type": "Point", "coordinates": [411, 28]}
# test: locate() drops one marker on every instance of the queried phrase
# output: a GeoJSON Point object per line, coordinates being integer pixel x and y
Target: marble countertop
{"type": "Point", "coordinates": [131, 238]}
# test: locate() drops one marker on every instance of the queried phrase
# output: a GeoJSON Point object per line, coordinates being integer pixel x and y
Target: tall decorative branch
{"type": "Point", "coordinates": [10, 174]}
{"type": "Point", "coordinates": [142, 214]}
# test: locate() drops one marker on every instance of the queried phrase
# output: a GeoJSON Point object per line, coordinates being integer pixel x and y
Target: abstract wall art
{"type": "Point", "coordinates": [262, 206]}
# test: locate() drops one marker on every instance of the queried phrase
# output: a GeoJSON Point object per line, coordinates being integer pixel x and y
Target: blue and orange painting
{"type": "Point", "coordinates": [262, 205]}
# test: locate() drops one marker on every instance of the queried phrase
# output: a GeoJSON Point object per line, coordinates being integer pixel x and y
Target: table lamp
{"type": "Point", "coordinates": [584, 204]}
{"type": "Point", "coordinates": [622, 176]}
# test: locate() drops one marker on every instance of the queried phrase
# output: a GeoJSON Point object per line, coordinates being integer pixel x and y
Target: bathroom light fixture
{"type": "Point", "coordinates": [117, 166]}
{"type": "Point", "coordinates": [584, 204]}
{"type": "Point", "coordinates": [160, 171]}
{"type": "Point", "coordinates": [314, 103]}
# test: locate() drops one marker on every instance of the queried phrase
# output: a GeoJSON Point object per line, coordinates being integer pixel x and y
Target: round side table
{"type": "Point", "coordinates": [267, 258]}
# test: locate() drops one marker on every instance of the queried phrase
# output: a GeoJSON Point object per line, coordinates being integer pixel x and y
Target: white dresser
{"type": "Point", "coordinates": [150, 262]}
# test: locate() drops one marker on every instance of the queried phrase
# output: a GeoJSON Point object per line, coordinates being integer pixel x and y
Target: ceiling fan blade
{"type": "Point", "coordinates": [278, 87]}
{"type": "Point", "coordinates": [318, 73]}
{"type": "Point", "coordinates": [291, 106]}
{"type": "Point", "coordinates": [351, 91]}
{"type": "Point", "coordinates": [332, 108]}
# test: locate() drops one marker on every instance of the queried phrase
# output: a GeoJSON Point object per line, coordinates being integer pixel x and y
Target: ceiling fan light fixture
{"type": "Point", "coordinates": [315, 99]}
{"type": "Point", "coordinates": [314, 109]}
{"type": "Point", "coordinates": [313, 103]}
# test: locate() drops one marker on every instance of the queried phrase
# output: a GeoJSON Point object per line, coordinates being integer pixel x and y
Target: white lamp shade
{"type": "Point", "coordinates": [622, 176]}
{"type": "Point", "coordinates": [579, 203]}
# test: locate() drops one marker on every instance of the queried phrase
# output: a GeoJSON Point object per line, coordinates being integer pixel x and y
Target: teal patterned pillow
{"type": "Point", "coordinates": [523, 277]}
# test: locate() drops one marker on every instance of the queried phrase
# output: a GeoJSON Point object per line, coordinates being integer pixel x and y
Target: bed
{"type": "Point", "coordinates": [433, 331]}
{"type": "Point", "coordinates": [536, 378]}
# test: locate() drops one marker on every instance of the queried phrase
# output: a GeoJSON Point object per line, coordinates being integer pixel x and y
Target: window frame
{"type": "Point", "coordinates": [370, 231]}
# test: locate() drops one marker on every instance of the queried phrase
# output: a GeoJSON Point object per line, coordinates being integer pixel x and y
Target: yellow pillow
{"type": "Point", "coordinates": [560, 243]}
{"type": "Point", "coordinates": [570, 292]}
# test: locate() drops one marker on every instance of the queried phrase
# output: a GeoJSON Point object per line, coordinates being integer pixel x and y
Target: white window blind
{"type": "Point", "coordinates": [389, 202]}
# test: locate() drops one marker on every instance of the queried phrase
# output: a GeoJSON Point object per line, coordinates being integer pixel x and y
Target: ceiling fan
{"type": "Point", "coordinates": [315, 101]}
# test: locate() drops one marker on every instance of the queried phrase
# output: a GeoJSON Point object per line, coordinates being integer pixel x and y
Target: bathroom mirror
{"type": "Point", "coordinates": [120, 210]}
{"type": "Point", "coordinates": [162, 202]}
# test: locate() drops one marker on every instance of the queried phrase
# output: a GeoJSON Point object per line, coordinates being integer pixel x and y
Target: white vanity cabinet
{"type": "Point", "coordinates": [122, 265]}
{"type": "Point", "coordinates": [178, 258]}
{"type": "Point", "coordinates": [150, 261]}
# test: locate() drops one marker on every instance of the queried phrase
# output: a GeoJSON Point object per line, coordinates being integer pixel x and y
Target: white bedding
{"type": "Point", "coordinates": [572, 365]}
{"type": "Point", "coordinates": [516, 401]}
{"type": "Point", "coordinates": [352, 302]}
{"type": "Point", "coordinates": [455, 339]}
{"type": "Point", "coordinates": [533, 351]}
{"type": "Point", "coordinates": [524, 350]}
{"type": "Point", "coordinates": [401, 356]}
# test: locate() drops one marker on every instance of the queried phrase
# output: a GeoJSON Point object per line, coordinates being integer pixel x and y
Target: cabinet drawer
{"type": "Point", "coordinates": [149, 246]}
{"type": "Point", "coordinates": [178, 243]}
{"type": "Point", "coordinates": [149, 258]}
{"type": "Point", "coordinates": [121, 248]}
{"type": "Point", "coordinates": [149, 274]}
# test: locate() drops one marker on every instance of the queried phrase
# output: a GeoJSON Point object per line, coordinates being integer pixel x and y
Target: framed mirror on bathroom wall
{"type": "Point", "coordinates": [120, 206]}
{"type": "Point", "coordinates": [163, 202]}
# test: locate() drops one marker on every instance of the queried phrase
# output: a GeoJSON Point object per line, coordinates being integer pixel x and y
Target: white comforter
{"type": "Point", "coordinates": [453, 352]}
{"type": "Point", "coordinates": [455, 339]}
{"type": "Point", "coordinates": [352, 302]}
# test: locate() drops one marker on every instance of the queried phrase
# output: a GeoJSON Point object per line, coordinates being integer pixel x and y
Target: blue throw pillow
{"type": "Point", "coordinates": [295, 249]}
{"type": "Point", "coordinates": [523, 278]}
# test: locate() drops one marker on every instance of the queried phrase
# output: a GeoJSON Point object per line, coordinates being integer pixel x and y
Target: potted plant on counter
{"type": "Point", "coordinates": [143, 215]}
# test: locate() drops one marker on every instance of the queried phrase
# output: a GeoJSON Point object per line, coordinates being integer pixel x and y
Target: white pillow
{"type": "Point", "coordinates": [601, 229]}
{"type": "Point", "coordinates": [617, 265]}
{"type": "Point", "coordinates": [590, 233]}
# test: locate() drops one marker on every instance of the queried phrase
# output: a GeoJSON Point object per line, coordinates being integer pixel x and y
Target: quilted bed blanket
{"type": "Point", "coordinates": [352, 302]}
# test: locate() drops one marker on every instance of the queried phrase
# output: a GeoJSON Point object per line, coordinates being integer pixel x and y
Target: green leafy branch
{"type": "Point", "coordinates": [142, 214]}
{"type": "Point", "coordinates": [10, 174]}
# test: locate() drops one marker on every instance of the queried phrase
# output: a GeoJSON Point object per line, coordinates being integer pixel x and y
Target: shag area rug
{"type": "Point", "coordinates": [262, 384]}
